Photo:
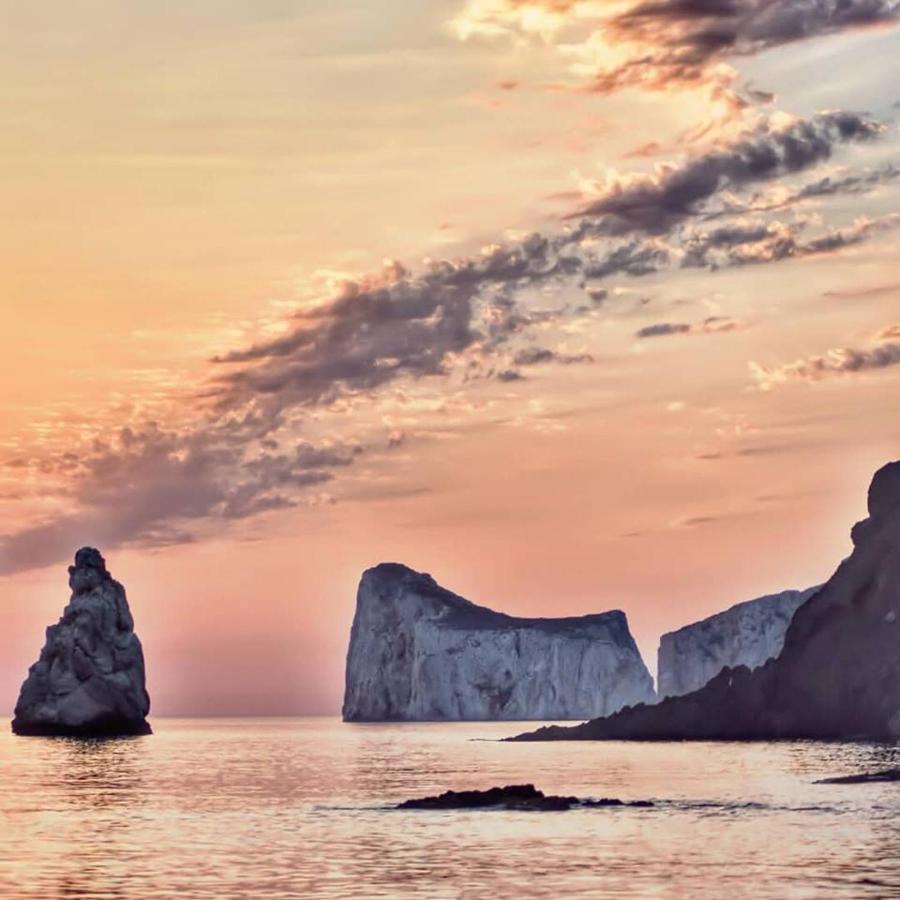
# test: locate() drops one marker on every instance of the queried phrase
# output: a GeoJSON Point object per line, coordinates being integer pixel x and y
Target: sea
{"type": "Point", "coordinates": [302, 807]}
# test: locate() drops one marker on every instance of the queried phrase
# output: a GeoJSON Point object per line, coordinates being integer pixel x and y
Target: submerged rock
{"type": "Point", "coordinates": [837, 678]}
{"type": "Point", "coordinates": [89, 679]}
{"type": "Point", "coordinates": [513, 796]}
{"type": "Point", "coordinates": [420, 652]}
{"type": "Point", "coordinates": [747, 634]}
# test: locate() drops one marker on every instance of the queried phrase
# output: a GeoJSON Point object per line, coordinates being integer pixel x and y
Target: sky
{"type": "Point", "coordinates": [575, 305]}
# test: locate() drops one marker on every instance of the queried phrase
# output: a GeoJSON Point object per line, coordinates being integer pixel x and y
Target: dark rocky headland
{"type": "Point", "coordinates": [89, 679]}
{"type": "Point", "coordinates": [837, 677]}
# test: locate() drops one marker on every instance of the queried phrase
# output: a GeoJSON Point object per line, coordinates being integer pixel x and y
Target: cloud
{"type": "Point", "coordinates": [838, 238]}
{"type": "Point", "coordinates": [473, 317]}
{"type": "Point", "coordinates": [647, 149]}
{"type": "Point", "coordinates": [711, 325]}
{"type": "Point", "coordinates": [418, 325]}
{"type": "Point", "coordinates": [151, 486]}
{"type": "Point", "coordinates": [862, 293]}
{"type": "Point", "coordinates": [739, 243]}
{"type": "Point", "coordinates": [854, 183]}
{"type": "Point", "coordinates": [656, 202]}
{"type": "Point", "coordinates": [637, 257]}
{"type": "Point", "coordinates": [663, 329]}
{"type": "Point", "coordinates": [148, 487]}
{"type": "Point", "coordinates": [685, 41]}
{"type": "Point", "coordinates": [755, 242]}
{"type": "Point", "coordinates": [839, 361]}
{"type": "Point", "coordinates": [535, 356]}
{"type": "Point", "coordinates": [781, 198]}
{"type": "Point", "coordinates": [662, 45]}
{"type": "Point", "coordinates": [539, 356]}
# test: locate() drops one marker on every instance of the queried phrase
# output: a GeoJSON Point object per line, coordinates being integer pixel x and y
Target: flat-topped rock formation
{"type": "Point", "coordinates": [420, 652]}
{"type": "Point", "coordinates": [89, 679]}
{"type": "Point", "coordinates": [837, 677]}
{"type": "Point", "coordinates": [747, 634]}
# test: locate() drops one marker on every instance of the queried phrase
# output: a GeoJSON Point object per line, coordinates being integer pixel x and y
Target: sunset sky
{"type": "Point", "coordinates": [574, 305]}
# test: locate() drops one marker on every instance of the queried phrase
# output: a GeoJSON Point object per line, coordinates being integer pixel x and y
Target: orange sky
{"type": "Point", "coordinates": [181, 180]}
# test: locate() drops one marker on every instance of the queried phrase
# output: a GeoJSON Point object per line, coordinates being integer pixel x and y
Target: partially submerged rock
{"type": "Point", "coordinates": [420, 652]}
{"type": "Point", "coordinates": [89, 679]}
{"type": "Point", "coordinates": [514, 797]}
{"type": "Point", "coordinates": [837, 678]}
{"type": "Point", "coordinates": [863, 778]}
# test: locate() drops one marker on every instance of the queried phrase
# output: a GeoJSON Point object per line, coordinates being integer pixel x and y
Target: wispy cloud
{"type": "Point", "coordinates": [754, 242]}
{"type": "Point", "coordinates": [246, 449]}
{"type": "Point", "coordinates": [663, 45]}
{"type": "Point", "coordinates": [864, 292]}
{"type": "Point", "coordinates": [666, 45]}
{"type": "Point", "coordinates": [150, 486]}
{"type": "Point", "coordinates": [685, 41]}
{"type": "Point", "coordinates": [413, 324]}
{"type": "Point", "coordinates": [656, 202]}
{"type": "Point", "coordinates": [883, 352]}
{"type": "Point", "coordinates": [710, 325]}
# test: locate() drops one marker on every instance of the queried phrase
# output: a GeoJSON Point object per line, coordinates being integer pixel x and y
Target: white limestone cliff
{"type": "Point", "coordinates": [748, 634]}
{"type": "Point", "coordinates": [89, 679]}
{"type": "Point", "coordinates": [420, 652]}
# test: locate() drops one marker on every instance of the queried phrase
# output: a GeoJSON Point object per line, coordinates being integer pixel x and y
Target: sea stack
{"type": "Point", "coordinates": [89, 679]}
{"type": "Point", "coordinates": [837, 677]}
{"type": "Point", "coordinates": [419, 652]}
{"type": "Point", "coordinates": [747, 634]}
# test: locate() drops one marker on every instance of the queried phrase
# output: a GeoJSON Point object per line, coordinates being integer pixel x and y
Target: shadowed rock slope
{"type": "Point", "coordinates": [837, 678]}
{"type": "Point", "coordinates": [89, 679]}
{"type": "Point", "coordinates": [420, 652]}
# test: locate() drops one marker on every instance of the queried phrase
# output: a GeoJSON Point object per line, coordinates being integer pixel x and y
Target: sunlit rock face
{"type": "Point", "coordinates": [89, 680]}
{"type": "Point", "coordinates": [748, 634]}
{"type": "Point", "coordinates": [837, 677]}
{"type": "Point", "coordinates": [420, 652]}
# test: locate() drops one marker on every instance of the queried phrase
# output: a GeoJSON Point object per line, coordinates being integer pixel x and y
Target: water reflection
{"type": "Point", "coordinates": [99, 774]}
{"type": "Point", "coordinates": [277, 808]}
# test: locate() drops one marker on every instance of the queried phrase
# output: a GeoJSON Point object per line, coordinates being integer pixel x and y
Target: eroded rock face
{"type": "Point", "coordinates": [420, 652]}
{"type": "Point", "coordinates": [837, 678]}
{"type": "Point", "coordinates": [748, 634]}
{"type": "Point", "coordinates": [89, 679]}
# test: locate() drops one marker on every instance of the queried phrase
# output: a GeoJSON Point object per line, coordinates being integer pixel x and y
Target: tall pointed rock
{"type": "Point", "coordinates": [89, 679]}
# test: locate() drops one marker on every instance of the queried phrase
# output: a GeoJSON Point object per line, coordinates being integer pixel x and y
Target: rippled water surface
{"type": "Point", "coordinates": [297, 808]}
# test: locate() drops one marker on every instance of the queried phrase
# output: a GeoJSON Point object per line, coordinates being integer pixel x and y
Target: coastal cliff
{"type": "Point", "coordinates": [837, 677]}
{"type": "Point", "coordinates": [89, 679]}
{"type": "Point", "coordinates": [747, 634]}
{"type": "Point", "coordinates": [420, 652]}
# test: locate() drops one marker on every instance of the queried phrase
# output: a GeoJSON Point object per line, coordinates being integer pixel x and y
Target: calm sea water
{"type": "Point", "coordinates": [296, 808]}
